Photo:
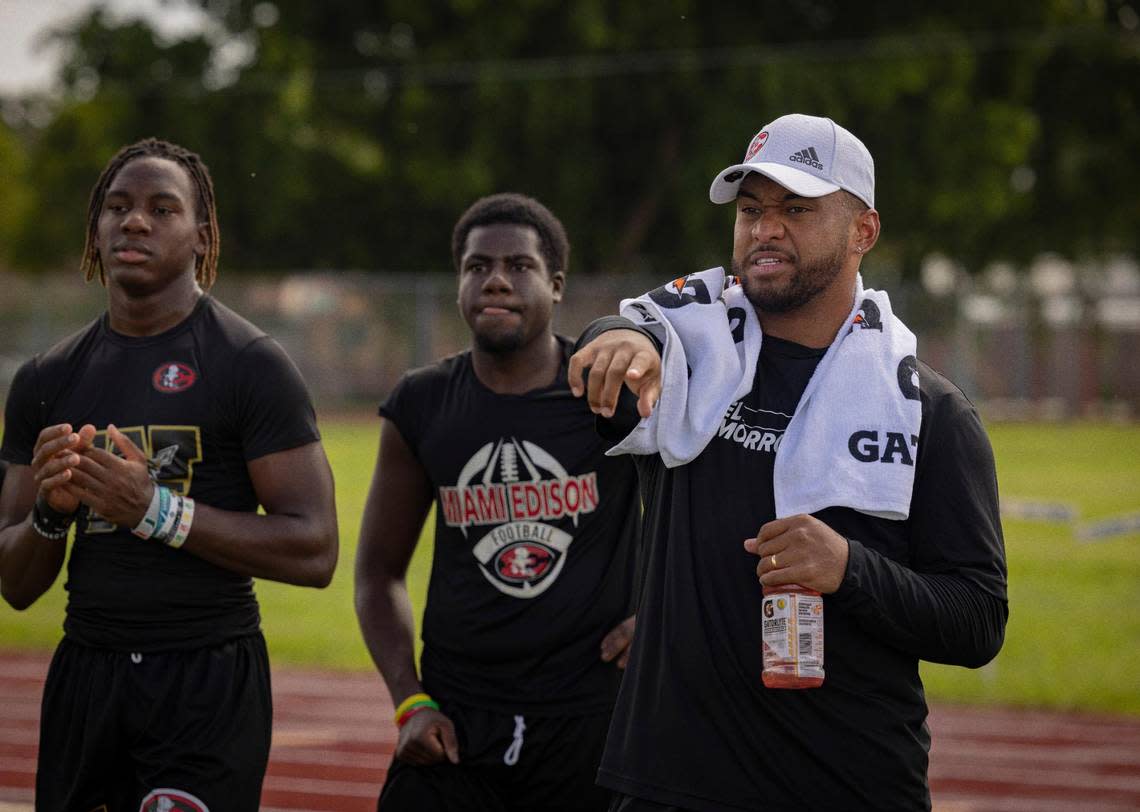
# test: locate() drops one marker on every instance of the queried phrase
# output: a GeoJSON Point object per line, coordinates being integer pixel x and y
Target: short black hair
{"type": "Point", "coordinates": [853, 203]}
{"type": "Point", "coordinates": [206, 269]}
{"type": "Point", "coordinates": [515, 209]}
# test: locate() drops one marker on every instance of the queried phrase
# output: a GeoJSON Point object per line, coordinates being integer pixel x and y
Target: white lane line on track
{"type": "Point", "coordinates": [985, 803]}
{"type": "Point", "coordinates": [1099, 755]}
{"type": "Point", "coordinates": [21, 712]}
{"type": "Point", "coordinates": [16, 764]}
{"type": "Point", "coordinates": [333, 758]}
{"type": "Point", "coordinates": [1037, 779]}
{"type": "Point", "coordinates": [23, 669]}
{"type": "Point", "coordinates": [1061, 730]}
{"type": "Point", "coordinates": [289, 734]}
{"type": "Point", "coordinates": [21, 735]}
{"type": "Point", "coordinates": [321, 786]}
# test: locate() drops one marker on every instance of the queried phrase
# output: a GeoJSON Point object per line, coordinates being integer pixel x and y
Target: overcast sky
{"type": "Point", "coordinates": [24, 66]}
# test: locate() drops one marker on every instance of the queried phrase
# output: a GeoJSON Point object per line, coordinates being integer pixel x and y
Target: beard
{"type": "Point", "coordinates": [499, 340]}
{"type": "Point", "coordinates": [498, 343]}
{"type": "Point", "coordinates": [810, 279]}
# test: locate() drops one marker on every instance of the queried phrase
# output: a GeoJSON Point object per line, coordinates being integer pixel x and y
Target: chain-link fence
{"type": "Point", "coordinates": [1017, 354]}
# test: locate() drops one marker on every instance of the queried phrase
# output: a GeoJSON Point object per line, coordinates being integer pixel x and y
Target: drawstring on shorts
{"type": "Point", "coordinates": [511, 757]}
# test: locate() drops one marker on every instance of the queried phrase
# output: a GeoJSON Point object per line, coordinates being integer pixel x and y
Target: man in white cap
{"type": "Point", "coordinates": [784, 429]}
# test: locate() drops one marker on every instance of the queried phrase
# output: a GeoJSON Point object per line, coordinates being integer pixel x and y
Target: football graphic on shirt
{"type": "Point", "coordinates": [519, 490]}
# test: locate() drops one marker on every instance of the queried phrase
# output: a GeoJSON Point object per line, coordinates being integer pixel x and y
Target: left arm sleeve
{"type": "Point", "coordinates": [606, 323]}
{"type": "Point", "coordinates": [948, 603]}
{"type": "Point", "coordinates": [275, 412]}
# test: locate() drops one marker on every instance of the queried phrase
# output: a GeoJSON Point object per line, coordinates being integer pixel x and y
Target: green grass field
{"type": "Point", "coordinates": [1073, 639]}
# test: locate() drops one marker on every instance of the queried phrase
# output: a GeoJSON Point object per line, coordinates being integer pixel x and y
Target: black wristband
{"type": "Point", "coordinates": [51, 514]}
{"type": "Point", "coordinates": [50, 523]}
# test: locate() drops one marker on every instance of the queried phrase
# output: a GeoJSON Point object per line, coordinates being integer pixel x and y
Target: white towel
{"type": "Point", "coordinates": [853, 439]}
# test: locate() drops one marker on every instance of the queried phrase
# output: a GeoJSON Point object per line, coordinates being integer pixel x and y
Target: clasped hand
{"type": "Point", "coordinates": [428, 737]}
{"type": "Point", "coordinates": [70, 471]}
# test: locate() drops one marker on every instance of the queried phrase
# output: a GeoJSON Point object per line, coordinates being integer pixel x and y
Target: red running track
{"type": "Point", "coordinates": [333, 737]}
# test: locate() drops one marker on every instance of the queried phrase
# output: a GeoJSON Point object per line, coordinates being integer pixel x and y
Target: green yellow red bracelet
{"type": "Point", "coordinates": [412, 705]}
{"type": "Point", "coordinates": [411, 700]}
{"type": "Point", "coordinates": [410, 712]}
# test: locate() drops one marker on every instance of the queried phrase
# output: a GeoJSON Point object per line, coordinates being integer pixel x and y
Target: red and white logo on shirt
{"type": "Point", "coordinates": [173, 376]}
{"type": "Point", "coordinates": [518, 487]}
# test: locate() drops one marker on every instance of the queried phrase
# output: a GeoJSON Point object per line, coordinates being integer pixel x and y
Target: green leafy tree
{"type": "Point", "coordinates": [351, 135]}
{"type": "Point", "coordinates": [17, 193]}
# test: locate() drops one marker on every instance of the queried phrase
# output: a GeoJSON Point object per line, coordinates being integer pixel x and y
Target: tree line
{"type": "Point", "coordinates": [350, 135]}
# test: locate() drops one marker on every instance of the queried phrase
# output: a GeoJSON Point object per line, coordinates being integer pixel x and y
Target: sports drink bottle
{"type": "Point", "coordinates": [793, 637]}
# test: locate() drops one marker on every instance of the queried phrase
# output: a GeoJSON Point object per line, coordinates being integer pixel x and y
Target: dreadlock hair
{"type": "Point", "coordinates": [205, 267]}
{"type": "Point", "coordinates": [515, 209]}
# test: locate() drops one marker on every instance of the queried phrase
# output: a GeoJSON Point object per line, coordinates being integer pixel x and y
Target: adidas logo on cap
{"type": "Point", "coordinates": [806, 156]}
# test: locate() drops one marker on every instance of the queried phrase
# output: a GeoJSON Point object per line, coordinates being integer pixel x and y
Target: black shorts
{"type": "Point", "coordinates": [507, 763]}
{"type": "Point", "coordinates": [184, 731]}
{"type": "Point", "coordinates": [628, 803]}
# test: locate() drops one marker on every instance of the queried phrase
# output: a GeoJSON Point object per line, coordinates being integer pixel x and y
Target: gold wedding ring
{"type": "Point", "coordinates": [773, 562]}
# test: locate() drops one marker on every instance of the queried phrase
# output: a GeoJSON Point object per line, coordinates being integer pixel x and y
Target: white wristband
{"type": "Point", "coordinates": [169, 521]}
{"type": "Point", "coordinates": [159, 503]}
{"type": "Point", "coordinates": [184, 521]}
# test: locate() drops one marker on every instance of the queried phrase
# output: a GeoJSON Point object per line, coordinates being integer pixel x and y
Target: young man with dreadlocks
{"type": "Point", "coordinates": [157, 431]}
{"type": "Point", "coordinates": [527, 620]}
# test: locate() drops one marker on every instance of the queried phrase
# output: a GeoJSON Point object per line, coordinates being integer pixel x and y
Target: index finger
{"type": "Point", "coordinates": [644, 378]}
{"type": "Point", "coordinates": [51, 433]}
{"type": "Point", "coordinates": [450, 742]}
{"type": "Point", "coordinates": [579, 361]}
{"type": "Point", "coordinates": [56, 448]}
{"type": "Point", "coordinates": [86, 434]}
{"type": "Point", "coordinates": [124, 444]}
{"type": "Point", "coordinates": [643, 365]}
{"type": "Point", "coordinates": [772, 529]}
{"type": "Point", "coordinates": [618, 639]}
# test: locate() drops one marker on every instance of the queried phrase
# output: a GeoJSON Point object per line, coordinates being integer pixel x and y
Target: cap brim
{"type": "Point", "coordinates": [794, 180]}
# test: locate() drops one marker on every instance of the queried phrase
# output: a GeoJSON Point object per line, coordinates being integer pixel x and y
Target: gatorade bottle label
{"type": "Point", "coordinates": [793, 631]}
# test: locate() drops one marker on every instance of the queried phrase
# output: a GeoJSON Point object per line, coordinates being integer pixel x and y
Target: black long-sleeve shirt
{"type": "Point", "coordinates": [694, 726]}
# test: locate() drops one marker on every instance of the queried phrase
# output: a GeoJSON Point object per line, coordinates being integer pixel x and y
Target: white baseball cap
{"type": "Point", "coordinates": [808, 155]}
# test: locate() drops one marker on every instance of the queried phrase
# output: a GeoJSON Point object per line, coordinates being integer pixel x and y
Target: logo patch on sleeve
{"type": "Point", "coordinates": [171, 800]}
{"type": "Point", "coordinates": [173, 376]}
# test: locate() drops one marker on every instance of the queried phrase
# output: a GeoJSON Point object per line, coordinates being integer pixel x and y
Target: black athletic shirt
{"type": "Point", "coordinates": [694, 725]}
{"type": "Point", "coordinates": [205, 397]}
{"type": "Point", "coordinates": [535, 537]}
